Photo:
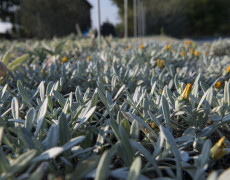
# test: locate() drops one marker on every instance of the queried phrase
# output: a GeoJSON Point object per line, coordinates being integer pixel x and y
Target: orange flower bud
{"type": "Point", "coordinates": [196, 53]}
{"type": "Point", "coordinates": [218, 84]}
{"type": "Point", "coordinates": [228, 69]}
{"type": "Point", "coordinates": [64, 59]}
{"type": "Point", "coordinates": [142, 46]}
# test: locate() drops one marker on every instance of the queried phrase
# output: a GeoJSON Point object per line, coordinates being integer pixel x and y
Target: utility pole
{"type": "Point", "coordinates": [126, 18]}
{"type": "Point", "coordinates": [143, 18]}
{"type": "Point", "coordinates": [135, 18]}
{"type": "Point", "coordinates": [99, 24]}
{"type": "Point", "coordinates": [139, 2]}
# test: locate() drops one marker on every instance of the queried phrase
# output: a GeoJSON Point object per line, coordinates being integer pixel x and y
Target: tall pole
{"type": "Point", "coordinates": [126, 18]}
{"type": "Point", "coordinates": [142, 19]}
{"type": "Point", "coordinates": [135, 18]}
{"type": "Point", "coordinates": [99, 23]}
{"type": "Point", "coordinates": [139, 18]}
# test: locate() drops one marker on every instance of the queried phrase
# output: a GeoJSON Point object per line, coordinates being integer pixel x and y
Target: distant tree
{"type": "Point", "coordinates": [181, 17]}
{"type": "Point", "coordinates": [209, 16]}
{"type": "Point", "coordinates": [108, 29]}
{"type": "Point", "coordinates": [47, 18]}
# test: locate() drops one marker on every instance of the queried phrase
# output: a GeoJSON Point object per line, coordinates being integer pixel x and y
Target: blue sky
{"type": "Point", "coordinates": [109, 12]}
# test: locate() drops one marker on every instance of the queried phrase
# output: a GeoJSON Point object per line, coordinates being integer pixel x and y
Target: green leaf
{"type": "Point", "coordinates": [171, 141]}
{"type": "Point", "coordinates": [4, 90]}
{"type": "Point", "coordinates": [146, 154]}
{"type": "Point", "coordinates": [203, 159]}
{"type": "Point", "coordinates": [51, 139]}
{"type": "Point", "coordinates": [42, 90]}
{"type": "Point", "coordinates": [135, 130]}
{"type": "Point", "coordinates": [213, 176]}
{"type": "Point", "coordinates": [132, 117]}
{"type": "Point", "coordinates": [119, 92]}
{"type": "Point", "coordinates": [6, 58]}
{"type": "Point", "coordinates": [60, 98]}
{"type": "Point", "coordinates": [79, 96]}
{"type": "Point", "coordinates": [85, 167]}
{"type": "Point", "coordinates": [24, 94]}
{"type": "Point", "coordinates": [59, 48]}
{"type": "Point", "coordinates": [207, 98]}
{"type": "Point", "coordinates": [64, 131]}
{"type": "Point", "coordinates": [17, 62]}
{"type": "Point", "coordinates": [102, 171]}
{"type": "Point", "coordinates": [4, 163]}
{"type": "Point", "coordinates": [126, 144]}
{"type": "Point", "coordinates": [41, 116]}
{"type": "Point", "coordinates": [49, 154]}
{"type": "Point", "coordinates": [122, 136]}
{"type": "Point", "coordinates": [30, 118]}
{"type": "Point", "coordinates": [135, 169]}
{"type": "Point", "coordinates": [1, 134]}
{"type": "Point", "coordinates": [73, 142]}
{"type": "Point", "coordinates": [166, 113]}
{"type": "Point", "coordinates": [40, 172]}
{"type": "Point", "coordinates": [20, 163]}
{"type": "Point", "coordinates": [54, 152]}
{"type": "Point", "coordinates": [224, 175]}
{"type": "Point", "coordinates": [101, 137]}
{"type": "Point", "coordinates": [15, 108]}
{"type": "Point", "coordinates": [83, 119]}
{"type": "Point", "coordinates": [28, 139]}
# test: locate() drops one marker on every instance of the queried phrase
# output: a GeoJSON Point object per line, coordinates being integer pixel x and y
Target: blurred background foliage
{"type": "Point", "coordinates": [54, 17]}
{"type": "Point", "coordinates": [179, 18]}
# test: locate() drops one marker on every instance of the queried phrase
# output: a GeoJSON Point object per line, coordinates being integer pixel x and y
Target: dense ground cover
{"type": "Point", "coordinates": [136, 109]}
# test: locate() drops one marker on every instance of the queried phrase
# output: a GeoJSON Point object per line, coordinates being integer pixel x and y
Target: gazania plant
{"type": "Point", "coordinates": [131, 109]}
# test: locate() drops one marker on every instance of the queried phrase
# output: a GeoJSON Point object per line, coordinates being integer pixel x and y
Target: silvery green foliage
{"type": "Point", "coordinates": [114, 115]}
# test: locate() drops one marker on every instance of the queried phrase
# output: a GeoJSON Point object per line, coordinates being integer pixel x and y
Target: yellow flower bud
{"type": "Point", "coordinates": [142, 46]}
{"type": "Point", "coordinates": [64, 59]}
{"type": "Point", "coordinates": [196, 53]}
{"type": "Point", "coordinates": [186, 92]}
{"type": "Point", "coordinates": [218, 84]}
{"type": "Point", "coordinates": [167, 47]}
{"type": "Point", "coordinates": [228, 69]}
{"type": "Point", "coordinates": [217, 151]}
{"type": "Point", "coordinates": [89, 58]}
{"type": "Point", "coordinates": [182, 53]}
{"type": "Point", "coordinates": [160, 63]}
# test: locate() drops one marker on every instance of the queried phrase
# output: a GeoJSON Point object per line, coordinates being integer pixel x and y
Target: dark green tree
{"type": "Point", "coordinates": [209, 17]}
{"type": "Point", "coordinates": [181, 17]}
{"type": "Point", "coordinates": [47, 18]}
